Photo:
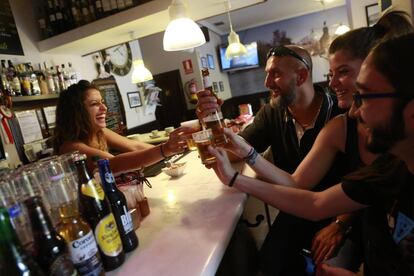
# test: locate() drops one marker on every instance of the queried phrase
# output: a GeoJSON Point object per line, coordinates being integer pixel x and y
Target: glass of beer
{"type": "Point", "coordinates": [195, 125]}
{"type": "Point", "coordinates": [203, 139]}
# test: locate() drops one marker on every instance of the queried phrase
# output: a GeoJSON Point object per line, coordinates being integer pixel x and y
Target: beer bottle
{"type": "Point", "coordinates": [72, 227]}
{"type": "Point", "coordinates": [119, 207]}
{"type": "Point", "coordinates": [14, 260]}
{"type": "Point", "coordinates": [215, 119]}
{"type": "Point", "coordinates": [96, 211]}
{"type": "Point", "coordinates": [49, 248]}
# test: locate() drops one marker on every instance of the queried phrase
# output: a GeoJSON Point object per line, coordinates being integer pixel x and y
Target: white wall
{"type": "Point", "coordinates": [159, 61]}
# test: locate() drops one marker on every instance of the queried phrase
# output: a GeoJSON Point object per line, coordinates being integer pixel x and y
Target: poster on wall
{"type": "Point", "coordinates": [9, 37]}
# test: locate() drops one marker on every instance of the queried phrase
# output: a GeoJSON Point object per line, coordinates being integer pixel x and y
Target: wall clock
{"type": "Point", "coordinates": [120, 58]}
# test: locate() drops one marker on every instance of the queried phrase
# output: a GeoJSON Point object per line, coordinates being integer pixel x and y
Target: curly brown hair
{"type": "Point", "coordinates": [73, 122]}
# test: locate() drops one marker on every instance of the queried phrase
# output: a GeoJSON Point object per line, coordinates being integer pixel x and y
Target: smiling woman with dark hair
{"type": "Point", "coordinates": [80, 125]}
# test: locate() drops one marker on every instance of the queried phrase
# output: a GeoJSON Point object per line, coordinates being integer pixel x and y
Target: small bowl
{"type": "Point", "coordinates": [175, 170]}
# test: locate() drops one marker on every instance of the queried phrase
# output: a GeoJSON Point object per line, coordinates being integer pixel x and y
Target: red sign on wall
{"type": "Point", "coordinates": [188, 66]}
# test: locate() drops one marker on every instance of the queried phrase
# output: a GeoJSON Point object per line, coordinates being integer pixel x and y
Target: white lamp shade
{"type": "Point", "coordinates": [235, 48]}
{"type": "Point", "coordinates": [140, 72]}
{"type": "Point", "coordinates": [182, 33]}
{"type": "Point", "coordinates": [342, 29]}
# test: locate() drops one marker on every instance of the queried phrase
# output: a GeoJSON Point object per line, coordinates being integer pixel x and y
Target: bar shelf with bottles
{"type": "Point", "coordinates": [42, 81]}
{"type": "Point", "coordinates": [58, 16]}
{"type": "Point", "coordinates": [58, 219]}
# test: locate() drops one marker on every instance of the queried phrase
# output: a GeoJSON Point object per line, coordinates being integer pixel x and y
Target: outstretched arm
{"type": "Point", "coordinates": [123, 144]}
{"type": "Point", "coordinates": [298, 202]}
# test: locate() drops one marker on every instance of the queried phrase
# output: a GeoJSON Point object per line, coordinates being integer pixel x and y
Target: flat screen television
{"type": "Point", "coordinates": [250, 60]}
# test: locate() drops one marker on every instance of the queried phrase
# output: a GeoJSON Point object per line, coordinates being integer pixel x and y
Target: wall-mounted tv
{"type": "Point", "coordinates": [250, 60]}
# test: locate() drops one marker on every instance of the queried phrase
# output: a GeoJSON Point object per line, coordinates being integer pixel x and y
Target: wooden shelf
{"type": "Point", "coordinates": [143, 20]}
{"type": "Point", "coordinates": [21, 99]}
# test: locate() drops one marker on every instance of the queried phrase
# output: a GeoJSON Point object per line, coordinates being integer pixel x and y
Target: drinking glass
{"type": "Point", "coordinates": [203, 139]}
{"type": "Point", "coordinates": [195, 126]}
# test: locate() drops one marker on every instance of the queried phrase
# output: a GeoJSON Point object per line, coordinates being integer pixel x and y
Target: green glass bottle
{"type": "Point", "coordinates": [14, 260]}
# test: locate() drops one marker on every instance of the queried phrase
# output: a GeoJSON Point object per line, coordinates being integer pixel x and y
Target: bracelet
{"type": "Point", "coordinates": [250, 158]}
{"type": "Point", "coordinates": [233, 179]}
{"type": "Point", "coordinates": [162, 151]}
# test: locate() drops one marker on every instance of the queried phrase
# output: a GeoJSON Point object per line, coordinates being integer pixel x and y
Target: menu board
{"type": "Point", "coordinates": [9, 37]}
{"type": "Point", "coordinates": [115, 115]}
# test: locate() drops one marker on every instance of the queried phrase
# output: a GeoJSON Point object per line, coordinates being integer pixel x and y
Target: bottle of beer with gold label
{"type": "Point", "coordinates": [213, 120]}
{"type": "Point", "coordinates": [95, 209]}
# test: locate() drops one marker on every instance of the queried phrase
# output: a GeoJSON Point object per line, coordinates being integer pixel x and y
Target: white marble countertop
{"type": "Point", "coordinates": [190, 225]}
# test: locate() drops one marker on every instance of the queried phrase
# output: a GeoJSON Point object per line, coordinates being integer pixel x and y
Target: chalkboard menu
{"type": "Point", "coordinates": [9, 37]}
{"type": "Point", "coordinates": [115, 115]}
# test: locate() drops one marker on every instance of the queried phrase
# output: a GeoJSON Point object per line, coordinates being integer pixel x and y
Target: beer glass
{"type": "Point", "coordinates": [195, 126]}
{"type": "Point", "coordinates": [203, 139]}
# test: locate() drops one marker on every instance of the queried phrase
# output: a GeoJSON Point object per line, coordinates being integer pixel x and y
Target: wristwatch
{"type": "Point", "coordinates": [343, 227]}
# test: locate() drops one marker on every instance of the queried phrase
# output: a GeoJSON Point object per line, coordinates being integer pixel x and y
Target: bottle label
{"type": "Point", "coordinates": [121, 4]}
{"type": "Point", "coordinates": [213, 117]}
{"type": "Point", "coordinates": [59, 16]}
{"type": "Point", "coordinates": [93, 189]}
{"type": "Point", "coordinates": [14, 211]}
{"type": "Point", "coordinates": [107, 236]}
{"type": "Point", "coordinates": [74, 11]}
{"type": "Point", "coordinates": [62, 265]}
{"type": "Point", "coordinates": [106, 5]}
{"type": "Point", "coordinates": [109, 178]}
{"type": "Point", "coordinates": [207, 82]}
{"type": "Point", "coordinates": [127, 221]}
{"type": "Point", "coordinates": [98, 4]}
{"type": "Point", "coordinates": [85, 11]}
{"type": "Point", "coordinates": [52, 18]}
{"type": "Point", "coordinates": [83, 252]}
{"type": "Point", "coordinates": [42, 23]}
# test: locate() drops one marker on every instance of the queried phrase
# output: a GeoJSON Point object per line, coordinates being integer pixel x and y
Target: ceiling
{"type": "Point", "coordinates": [264, 13]}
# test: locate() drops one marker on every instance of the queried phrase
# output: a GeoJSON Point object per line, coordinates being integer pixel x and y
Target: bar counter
{"type": "Point", "coordinates": [190, 225]}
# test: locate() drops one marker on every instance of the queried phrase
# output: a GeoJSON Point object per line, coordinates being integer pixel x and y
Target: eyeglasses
{"type": "Point", "coordinates": [358, 97]}
{"type": "Point", "coordinates": [281, 51]}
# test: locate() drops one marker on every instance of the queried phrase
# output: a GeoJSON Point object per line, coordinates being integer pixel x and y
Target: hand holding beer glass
{"type": "Point", "coordinates": [195, 126]}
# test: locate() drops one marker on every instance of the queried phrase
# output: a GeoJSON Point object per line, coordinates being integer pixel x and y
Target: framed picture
{"type": "Point", "coordinates": [221, 84]}
{"type": "Point", "coordinates": [215, 87]}
{"type": "Point", "coordinates": [210, 60]}
{"type": "Point", "coordinates": [203, 62]}
{"type": "Point", "coordinates": [372, 13]}
{"type": "Point", "coordinates": [134, 99]}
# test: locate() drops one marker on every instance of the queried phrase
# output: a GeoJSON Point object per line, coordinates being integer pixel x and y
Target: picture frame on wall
{"type": "Point", "coordinates": [221, 85]}
{"type": "Point", "coordinates": [372, 13]}
{"type": "Point", "coordinates": [134, 99]}
{"type": "Point", "coordinates": [203, 62]}
{"type": "Point", "coordinates": [215, 87]}
{"type": "Point", "coordinates": [210, 61]}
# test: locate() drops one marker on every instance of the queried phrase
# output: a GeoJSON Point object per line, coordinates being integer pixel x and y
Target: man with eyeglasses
{"type": "Point", "coordinates": [288, 125]}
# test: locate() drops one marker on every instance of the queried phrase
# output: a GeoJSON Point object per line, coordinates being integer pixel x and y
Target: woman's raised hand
{"type": "Point", "coordinates": [177, 141]}
{"type": "Point", "coordinates": [237, 144]}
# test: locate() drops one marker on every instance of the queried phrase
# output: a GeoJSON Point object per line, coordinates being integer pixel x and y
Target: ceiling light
{"type": "Point", "coordinates": [342, 29]}
{"type": "Point", "coordinates": [140, 72]}
{"type": "Point", "coordinates": [182, 32]}
{"type": "Point", "coordinates": [235, 48]}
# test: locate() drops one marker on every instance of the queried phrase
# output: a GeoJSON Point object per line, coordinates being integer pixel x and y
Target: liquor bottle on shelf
{"type": "Point", "coordinates": [50, 249]}
{"type": "Point", "coordinates": [14, 79]}
{"type": "Point", "coordinates": [55, 79]}
{"type": "Point", "coordinates": [76, 13]}
{"type": "Point", "coordinates": [66, 77]}
{"type": "Point", "coordinates": [14, 260]}
{"type": "Point", "coordinates": [4, 80]}
{"type": "Point", "coordinates": [49, 79]}
{"type": "Point", "coordinates": [41, 78]}
{"type": "Point", "coordinates": [119, 207]}
{"type": "Point", "coordinates": [215, 119]}
{"type": "Point", "coordinates": [86, 17]}
{"type": "Point", "coordinates": [52, 17]}
{"type": "Point", "coordinates": [67, 15]}
{"type": "Point", "coordinates": [24, 79]}
{"type": "Point", "coordinates": [106, 8]}
{"type": "Point", "coordinates": [61, 79]}
{"type": "Point", "coordinates": [98, 5]}
{"type": "Point", "coordinates": [72, 227]}
{"type": "Point", "coordinates": [91, 7]}
{"type": "Point", "coordinates": [73, 75]}
{"type": "Point", "coordinates": [42, 22]}
{"type": "Point", "coordinates": [95, 209]}
{"type": "Point", "coordinates": [60, 23]}
{"type": "Point", "coordinates": [114, 6]}
{"type": "Point", "coordinates": [121, 4]}
{"type": "Point", "coordinates": [34, 83]}
{"type": "Point", "coordinates": [129, 3]}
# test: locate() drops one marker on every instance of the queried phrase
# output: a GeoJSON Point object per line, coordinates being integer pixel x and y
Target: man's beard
{"type": "Point", "coordinates": [384, 138]}
{"type": "Point", "coordinates": [286, 99]}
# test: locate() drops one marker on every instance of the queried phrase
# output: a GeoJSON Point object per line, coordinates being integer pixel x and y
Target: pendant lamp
{"type": "Point", "coordinates": [140, 72]}
{"type": "Point", "coordinates": [342, 29]}
{"type": "Point", "coordinates": [235, 48]}
{"type": "Point", "coordinates": [182, 32]}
